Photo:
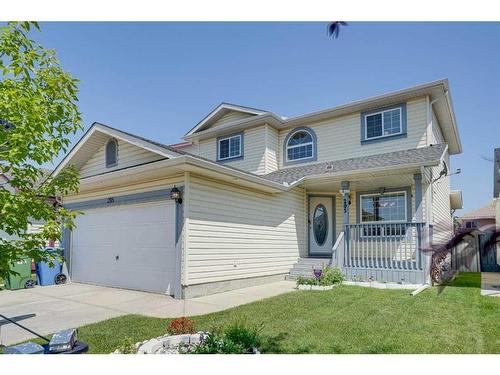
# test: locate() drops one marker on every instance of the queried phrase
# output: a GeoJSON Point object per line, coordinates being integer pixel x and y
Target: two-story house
{"type": "Point", "coordinates": [249, 195]}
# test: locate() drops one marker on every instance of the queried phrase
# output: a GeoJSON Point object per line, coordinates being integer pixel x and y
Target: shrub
{"type": "Point", "coordinates": [238, 337]}
{"type": "Point", "coordinates": [181, 326]}
{"type": "Point", "coordinates": [306, 281]}
{"type": "Point", "coordinates": [240, 332]}
{"type": "Point", "coordinates": [331, 276]}
{"type": "Point", "coordinates": [127, 346]}
{"type": "Point", "coordinates": [215, 343]}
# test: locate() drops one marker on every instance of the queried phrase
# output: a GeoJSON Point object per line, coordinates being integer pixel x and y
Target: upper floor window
{"type": "Point", "coordinates": [230, 147]}
{"type": "Point", "coordinates": [384, 123]}
{"type": "Point", "coordinates": [300, 145]}
{"type": "Point", "coordinates": [111, 153]}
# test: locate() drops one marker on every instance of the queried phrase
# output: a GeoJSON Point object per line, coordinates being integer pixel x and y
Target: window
{"type": "Point", "coordinates": [471, 224]}
{"type": "Point", "coordinates": [389, 207]}
{"type": "Point", "coordinates": [320, 224]}
{"type": "Point", "coordinates": [230, 147]}
{"type": "Point", "coordinates": [300, 145]}
{"type": "Point", "coordinates": [111, 153]}
{"type": "Point", "coordinates": [384, 123]}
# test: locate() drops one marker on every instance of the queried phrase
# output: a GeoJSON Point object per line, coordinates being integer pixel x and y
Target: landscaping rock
{"type": "Point", "coordinates": [169, 344]}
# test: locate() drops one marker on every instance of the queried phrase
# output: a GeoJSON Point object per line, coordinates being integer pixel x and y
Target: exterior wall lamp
{"type": "Point", "coordinates": [176, 195]}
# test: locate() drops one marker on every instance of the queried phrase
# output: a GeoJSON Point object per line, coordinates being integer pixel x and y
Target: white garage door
{"type": "Point", "coordinates": [129, 246]}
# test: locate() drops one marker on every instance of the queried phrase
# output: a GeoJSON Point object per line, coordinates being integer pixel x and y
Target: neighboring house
{"type": "Point", "coordinates": [482, 218]}
{"type": "Point", "coordinates": [34, 226]}
{"type": "Point", "coordinates": [257, 194]}
{"type": "Point", "coordinates": [476, 255]}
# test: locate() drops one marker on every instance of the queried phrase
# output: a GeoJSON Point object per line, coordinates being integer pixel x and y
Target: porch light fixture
{"type": "Point", "coordinates": [175, 194]}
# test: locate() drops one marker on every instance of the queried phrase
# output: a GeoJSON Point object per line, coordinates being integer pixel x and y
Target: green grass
{"type": "Point", "coordinates": [348, 319]}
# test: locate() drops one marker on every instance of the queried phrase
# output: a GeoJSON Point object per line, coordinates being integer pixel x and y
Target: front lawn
{"type": "Point", "coordinates": [348, 319]}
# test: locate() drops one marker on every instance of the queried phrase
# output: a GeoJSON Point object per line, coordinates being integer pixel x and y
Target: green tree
{"type": "Point", "coordinates": [38, 111]}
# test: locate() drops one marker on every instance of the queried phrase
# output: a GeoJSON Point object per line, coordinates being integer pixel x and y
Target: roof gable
{"type": "Point", "coordinates": [223, 114]}
{"type": "Point", "coordinates": [96, 137]}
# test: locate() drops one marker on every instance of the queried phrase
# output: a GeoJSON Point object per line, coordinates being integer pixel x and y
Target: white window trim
{"type": "Point", "coordinates": [381, 222]}
{"type": "Point", "coordinates": [224, 139]}
{"type": "Point", "coordinates": [384, 135]}
{"type": "Point", "coordinates": [301, 145]}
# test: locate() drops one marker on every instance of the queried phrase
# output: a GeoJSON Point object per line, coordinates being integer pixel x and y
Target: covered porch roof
{"type": "Point", "coordinates": [368, 167]}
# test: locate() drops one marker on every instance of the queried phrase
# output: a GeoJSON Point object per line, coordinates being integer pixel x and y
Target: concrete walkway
{"type": "Point", "coordinates": [52, 308]}
{"type": "Point", "coordinates": [490, 284]}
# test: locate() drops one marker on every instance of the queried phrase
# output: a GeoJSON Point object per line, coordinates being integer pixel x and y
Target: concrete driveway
{"type": "Point", "coordinates": [73, 305]}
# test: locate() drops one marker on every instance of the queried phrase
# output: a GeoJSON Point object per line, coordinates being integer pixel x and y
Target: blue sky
{"type": "Point", "coordinates": [159, 79]}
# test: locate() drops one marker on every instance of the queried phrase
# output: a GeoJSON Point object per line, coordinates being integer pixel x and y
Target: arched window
{"type": "Point", "coordinates": [111, 153]}
{"type": "Point", "coordinates": [300, 144]}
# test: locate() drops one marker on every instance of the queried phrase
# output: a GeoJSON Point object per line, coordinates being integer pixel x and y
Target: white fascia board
{"type": "Point", "coordinates": [136, 141]}
{"type": "Point", "coordinates": [361, 171]}
{"type": "Point", "coordinates": [359, 105]}
{"type": "Point", "coordinates": [96, 127]}
{"type": "Point", "coordinates": [183, 162]}
{"type": "Point", "coordinates": [456, 134]}
{"type": "Point", "coordinates": [73, 151]}
{"type": "Point", "coordinates": [220, 107]}
{"type": "Point", "coordinates": [265, 118]}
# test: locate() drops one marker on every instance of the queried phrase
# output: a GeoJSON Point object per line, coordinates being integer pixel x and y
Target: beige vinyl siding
{"type": "Point", "coordinates": [98, 193]}
{"type": "Point", "coordinates": [235, 233]}
{"type": "Point", "coordinates": [271, 157]}
{"type": "Point", "coordinates": [254, 152]}
{"type": "Point", "coordinates": [340, 138]}
{"type": "Point", "coordinates": [191, 149]}
{"type": "Point", "coordinates": [128, 156]}
{"type": "Point", "coordinates": [440, 205]}
{"type": "Point", "coordinates": [231, 116]}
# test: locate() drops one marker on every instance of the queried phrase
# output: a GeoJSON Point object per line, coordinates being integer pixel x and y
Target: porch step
{"type": "Point", "coordinates": [304, 267]}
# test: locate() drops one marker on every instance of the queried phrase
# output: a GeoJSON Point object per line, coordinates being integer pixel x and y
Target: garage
{"type": "Point", "coordinates": [129, 246]}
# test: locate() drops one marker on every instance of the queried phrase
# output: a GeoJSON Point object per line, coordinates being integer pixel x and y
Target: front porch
{"type": "Point", "coordinates": [377, 223]}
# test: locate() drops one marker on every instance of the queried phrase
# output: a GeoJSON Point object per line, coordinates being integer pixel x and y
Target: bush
{"type": "Point", "coordinates": [215, 343]}
{"type": "Point", "coordinates": [127, 346]}
{"type": "Point", "coordinates": [238, 337]}
{"type": "Point", "coordinates": [306, 281]}
{"type": "Point", "coordinates": [242, 333]}
{"type": "Point", "coordinates": [181, 326]}
{"type": "Point", "coordinates": [329, 276]}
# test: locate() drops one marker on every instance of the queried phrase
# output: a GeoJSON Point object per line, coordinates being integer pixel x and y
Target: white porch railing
{"type": "Point", "coordinates": [393, 246]}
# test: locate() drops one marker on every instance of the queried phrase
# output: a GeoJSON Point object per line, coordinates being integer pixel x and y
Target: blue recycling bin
{"type": "Point", "coordinates": [47, 274]}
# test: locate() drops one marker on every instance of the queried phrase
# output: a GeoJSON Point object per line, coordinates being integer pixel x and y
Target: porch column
{"type": "Point", "coordinates": [423, 260]}
{"type": "Point", "coordinates": [417, 177]}
{"type": "Point", "coordinates": [344, 190]}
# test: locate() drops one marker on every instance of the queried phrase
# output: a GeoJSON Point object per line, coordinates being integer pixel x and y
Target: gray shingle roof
{"type": "Point", "coordinates": [423, 155]}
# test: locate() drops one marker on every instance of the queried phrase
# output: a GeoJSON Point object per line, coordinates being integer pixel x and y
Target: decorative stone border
{"type": "Point", "coordinates": [170, 344]}
{"type": "Point", "coordinates": [380, 285]}
{"type": "Point", "coordinates": [316, 287]}
{"type": "Point", "coordinates": [167, 344]}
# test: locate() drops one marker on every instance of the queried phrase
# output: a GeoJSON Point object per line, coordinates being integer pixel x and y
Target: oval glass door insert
{"type": "Point", "coordinates": [320, 224]}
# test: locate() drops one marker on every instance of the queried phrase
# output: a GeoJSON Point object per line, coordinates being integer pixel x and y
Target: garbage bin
{"type": "Point", "coordinates": [47, 274]}
{"type": "Point", "coordinates": [23, 277]}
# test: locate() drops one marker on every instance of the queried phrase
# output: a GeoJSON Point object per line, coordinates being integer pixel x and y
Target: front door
{"type": "Point", "coordinates": [321, 224]}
